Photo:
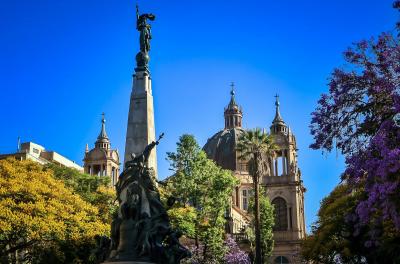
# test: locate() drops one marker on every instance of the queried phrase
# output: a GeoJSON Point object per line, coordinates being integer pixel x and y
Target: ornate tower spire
{"type": "Point", "coordinates": [233, 113]}
{"type": "Point", "coordinates": [103, 133]}
{"type": "Point", "coordinates": [278, 125]}
{"type": "Point", "coordinates": [103, 140]}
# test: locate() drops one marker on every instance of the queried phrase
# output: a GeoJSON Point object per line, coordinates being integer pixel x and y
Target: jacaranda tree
{"type": "Point", "coordinates": [359, 117]}
{"type": "Point", "coordinates": [234, 254]}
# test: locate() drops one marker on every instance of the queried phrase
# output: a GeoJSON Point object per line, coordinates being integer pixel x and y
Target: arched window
{"type": "Point", "coordinates": [281, 260]}
{"type": "Point", "coordinates": [281, 223]}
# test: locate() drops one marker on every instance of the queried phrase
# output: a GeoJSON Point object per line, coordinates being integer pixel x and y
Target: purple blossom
{"type": "Point", "coordinates": [234, 254]}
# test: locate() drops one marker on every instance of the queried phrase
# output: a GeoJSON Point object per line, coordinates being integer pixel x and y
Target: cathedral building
{"type": "Point", "coordinates": [283, 185]}
{"type": "Point", "coordinates": [102, 160]}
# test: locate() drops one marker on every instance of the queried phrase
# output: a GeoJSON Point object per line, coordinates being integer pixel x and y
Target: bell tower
{"type": "Point", "coordinates": [233, 113]}
{"type": "Point", "coordinates": [286, 192]}
{"type": "Point", "coordinates": [102, 160]}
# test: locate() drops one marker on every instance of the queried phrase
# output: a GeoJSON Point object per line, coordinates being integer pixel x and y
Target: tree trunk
{"type": "Point", "coordinates": [256, 178]}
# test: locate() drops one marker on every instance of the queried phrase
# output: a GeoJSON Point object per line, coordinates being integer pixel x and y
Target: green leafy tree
{"type": "Point", "coordinates": [202, 188]}
{"type": "Point", "coordinates": [331, 239]}
{"type": "Point", "coordinates": [336, 238]}
{"type": "Point", "coordinates": [266, 225]}
{"type": "Point", "coordinates": [254, 146]}
{"type": "Point", "coordinates": [184, 219]}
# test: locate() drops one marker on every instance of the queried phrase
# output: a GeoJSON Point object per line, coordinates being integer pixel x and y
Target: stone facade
{"type": "Point", "coordinates": [283, 183]}
{"type": "Point", "coordinates": [102, 160]}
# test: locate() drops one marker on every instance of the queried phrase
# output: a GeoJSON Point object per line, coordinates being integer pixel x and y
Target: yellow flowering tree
{"type": "Point", "coordinates": [93, 189]}
{"type": "Point", "coordinates": [37, 209]}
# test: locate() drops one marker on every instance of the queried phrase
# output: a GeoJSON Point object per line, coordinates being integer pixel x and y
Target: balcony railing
{"type": "Point", "coordinates": [240, 237]}
{"type": "Point", "coordinates": [285, 236]}
{"type": "Point", "coordinates": [278, 179]}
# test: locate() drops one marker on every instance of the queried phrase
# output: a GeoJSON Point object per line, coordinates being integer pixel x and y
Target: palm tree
{"type": "Point", "coordinates": [255, 146]}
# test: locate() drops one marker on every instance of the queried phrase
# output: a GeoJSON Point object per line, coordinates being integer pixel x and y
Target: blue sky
{"type": "Point", "coordinates": [64, 62]}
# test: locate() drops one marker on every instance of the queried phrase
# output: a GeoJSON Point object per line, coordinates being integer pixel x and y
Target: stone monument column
{"type": "Point", "coordinates": [141, 130]}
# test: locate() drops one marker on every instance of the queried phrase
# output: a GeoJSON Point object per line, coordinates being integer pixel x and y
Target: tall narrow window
{"type": "Point", "coordinates": [281, 223]}
{"type": "Point", "coordinates": [237, 197]}
{"type": "Point", "coordinates": [245, 200]}
{"type": "Point", "coordinates": [279, 166]}
{"type": "Point", "coordinates": [113, 176]}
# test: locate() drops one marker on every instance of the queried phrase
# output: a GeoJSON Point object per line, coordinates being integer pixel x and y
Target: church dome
{"type": "Point", "coordinates": [96, 154]}
{"type": "Point", "coordinates": [222, 147]}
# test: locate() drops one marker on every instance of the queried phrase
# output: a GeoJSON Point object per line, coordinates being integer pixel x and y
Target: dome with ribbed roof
{"type": "Point", "coordinates": [222, 147]}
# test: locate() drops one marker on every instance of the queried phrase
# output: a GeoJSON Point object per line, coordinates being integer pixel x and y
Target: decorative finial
{"type": "Point", "coordinates": [232, 88]}
{"type": "Point", "coordinates": [103, 119]}
{"type": "Point", "coordinates": [277, 100]}
{"type": "Point", "coordinates": [87, 148]}
{"type": "Point", "coordinates": [103, 133]}
{"type": "Point", "coordinates": [278, 118]}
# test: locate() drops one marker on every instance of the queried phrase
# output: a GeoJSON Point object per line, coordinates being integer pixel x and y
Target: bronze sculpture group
{"type": "Point", "coordinates": [141, 230]}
